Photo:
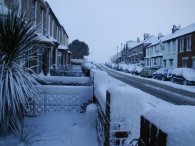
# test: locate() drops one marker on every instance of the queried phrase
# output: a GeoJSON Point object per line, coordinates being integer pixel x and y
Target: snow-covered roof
{"type": "Point", "coordinates": [62, 47]}
{"type": "Point", "coordinates": [44, 39]}
{"type": "Point", "coordinates": [148, 40]}
{"type": "Point", "coordinates": [69, 52]}
{"type": "Point", "coordinates": [181, 32]}
{"type": "Point", "coordinates": [52, 39]}
{"type": "Point", "coordinates": [3, 10]}
{"type": "Point", "coordinates": [131, 44]}
{"type": "Point", "coordinates": [156, 42]}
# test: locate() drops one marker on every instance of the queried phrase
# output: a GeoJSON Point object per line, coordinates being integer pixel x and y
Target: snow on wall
{"type": "Point", "coordinates": [67, 80]}
{"type": "Point", "coordinates": [100, 86]}
{"type": "Point", "coordinates": [127, 104]}
{"type": "Point", "coordinates": [62, 98]}
{"type": "Point", "coordinates": [177, 122]}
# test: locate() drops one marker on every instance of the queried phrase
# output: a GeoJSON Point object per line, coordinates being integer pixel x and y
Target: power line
{"type": "Point", "coordinates": [87, 18]}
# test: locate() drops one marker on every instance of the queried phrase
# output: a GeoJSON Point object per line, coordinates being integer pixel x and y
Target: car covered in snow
{"type": "Point", "coordinates": [137, 70]}
{"type": "Point", "coordinates": [131, 68]}
{"type": "Point", "coordinates": [163, 74]}
{"type": "Point", "coordinates": [148, 71]}
{"type": "Point", "coordinates": [122, 67]}
{"type": "Point", "coordinates": [184, 76]}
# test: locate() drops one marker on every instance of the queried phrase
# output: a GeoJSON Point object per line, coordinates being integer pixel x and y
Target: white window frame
{"type": "Point", "coordinates": [193, 62]}
{"type": "Point", "coordinates": [185, 61]}
{"type": "Point", "coordinates": [53, 28]}
{"type": "Point", "coordinates": [49, 23]}
{"type": "Point", "coordinates": [181, 47]}
{"type": "Point", "coordinates": [35, 12]}
{"type": "Point", "coordinates": [188, 43]}
{"type": "Point", "coordinates": [42, 20]}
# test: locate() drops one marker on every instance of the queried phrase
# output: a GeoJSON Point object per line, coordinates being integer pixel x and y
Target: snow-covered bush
{"type": "Point", "coordinates": [91, 113]}
{"type": "Point", "coordinates": [17, 37]}
{"type": "Point", "coordinates": [101, 85]}
{"type": "Point", "coordinates": [86, 67]}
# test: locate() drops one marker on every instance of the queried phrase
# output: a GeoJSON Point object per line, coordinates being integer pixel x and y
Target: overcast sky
{"type": "Point", "coordinates": [105, 24]}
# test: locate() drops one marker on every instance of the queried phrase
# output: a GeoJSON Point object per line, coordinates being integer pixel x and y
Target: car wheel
{"type": "Point", "coordinates": [153, 77]}
{"type": "Point", "coordinates": [172, 80]}
{"type": "Point", "coordinates": [185, 82]}
{"type": "Point", "coordinates": [163, 78]}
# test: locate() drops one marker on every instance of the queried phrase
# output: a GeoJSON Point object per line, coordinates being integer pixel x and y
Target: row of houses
{"type": "Point", "coordinates": [174, 50]}
{"type": "Point", "coordinates": [54, 53]}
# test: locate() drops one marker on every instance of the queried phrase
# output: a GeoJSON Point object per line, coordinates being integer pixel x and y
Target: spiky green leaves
{"type": "Point", "coordinates": [17, 84]}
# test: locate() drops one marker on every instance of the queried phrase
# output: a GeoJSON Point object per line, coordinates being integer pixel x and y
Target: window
{"type": "Point", "coordinates": [188, 44]}
{"type": "Point", "coordinates": [42, 20]}
{"type": "Point", "coordinates": [174, 46]}
{"type": "Point", "coordinates": [169, 47]}
{"type": "Point", "coordinates": [35, 12]}
{"type": "Point", "coordinates": [171, 62]}
{"type": "Point", "coordinates": [185, 63]}
{"type": "Point", "coordinates": [49, 23]}
{"type": "Point", "coordinates": [193, 63]}
{"type": "Point", "coordinates": [181, 45]}
{"type": "Point", "coordinates": [154, 61]}
{"type": "Point", "coordinates": [39, 60]}
{"type": "Point", "coordinates": [164, 61]}
{"type": "Point", "coordinates": [52, 28]}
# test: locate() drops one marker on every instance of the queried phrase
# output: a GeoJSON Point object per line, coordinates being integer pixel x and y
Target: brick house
{"type": "Point", "coordinates": [129, 46]}
{"type": "Point", "coordinates": [182, 41]}
{"type": "Point", "coordinates": [52, 35]}
{"type": "Point", "coordinates": [137, 53]}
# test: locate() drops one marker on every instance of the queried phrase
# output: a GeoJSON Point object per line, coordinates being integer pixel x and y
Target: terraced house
{"type": "Point", "coordinates": [54, 52]}
{"type": "Point", "coordinates": [180, 47]}
{"type": "Point", "coordinates": [154, 53]}
{"type": "Point", "coordinates": [137, 53]}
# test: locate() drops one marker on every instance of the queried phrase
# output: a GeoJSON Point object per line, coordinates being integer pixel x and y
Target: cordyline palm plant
{"type": "Point", "coordinates": [18, 84]}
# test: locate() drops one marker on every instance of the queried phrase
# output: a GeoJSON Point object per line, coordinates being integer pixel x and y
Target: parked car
{"type": "Point", "coordinates": [163, 74]}
{"type": "Point", "coordinates": [147, 72]}
{"type": "Point", "coordinates": [122, 67]}
{"type": "Point", "coordinates": [131, 68]}
{"type": "Point", "coordinates": [184, 76]}
{"type": "Point", "coordinates": [137, 70]}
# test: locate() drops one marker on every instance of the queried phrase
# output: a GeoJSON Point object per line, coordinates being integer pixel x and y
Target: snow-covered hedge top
{"type": "Point", "coordinates": [100, 86]}
{"type": "Point", "coordinates": [177, 121]}
{"type": "Point", "coordinates": [65, 80]}
{"type": "Point", "coordinates": [127, 106]}
{"type": "Point", "coordinates": [89, 65]}
{"type": "Point", "coordinates": [77, 60]}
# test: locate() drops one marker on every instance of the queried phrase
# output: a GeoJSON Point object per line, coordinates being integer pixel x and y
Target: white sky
{"type": "Point", "coordinates": [105, 24]}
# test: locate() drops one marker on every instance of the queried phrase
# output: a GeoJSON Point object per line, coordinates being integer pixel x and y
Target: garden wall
{"type": "Point", "coordinates": [61, 98]}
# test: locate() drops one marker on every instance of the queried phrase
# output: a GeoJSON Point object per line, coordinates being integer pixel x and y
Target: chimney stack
{"type": "Point", "coordinates": [175, 28]}
{"type": "Point", "coordinates": [160, 35]}
{"type": "Point", "coordinates": [138, 39]}
{"type": "Point", "coordinates": [146, 35]}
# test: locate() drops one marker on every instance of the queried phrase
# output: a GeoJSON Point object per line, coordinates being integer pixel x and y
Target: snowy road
{"type": "Point", "coordinates": [164, 92]}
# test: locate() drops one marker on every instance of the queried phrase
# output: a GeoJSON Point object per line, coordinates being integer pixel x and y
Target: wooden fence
{"type": "Point", "coordinates": [150, 135]}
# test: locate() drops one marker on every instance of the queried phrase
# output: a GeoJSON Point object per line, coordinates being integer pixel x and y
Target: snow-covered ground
{"type": "Point", "coordinates": [168, 83]}
{"type": "Point", "coordinates": [60, 129]}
